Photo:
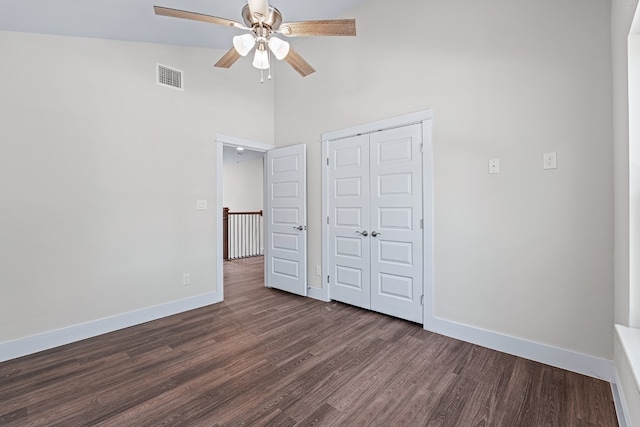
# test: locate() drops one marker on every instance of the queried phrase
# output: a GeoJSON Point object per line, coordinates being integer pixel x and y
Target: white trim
{"type": "Point", "coordinates": [324, 228]}
{"type": "Point", "coordinates": [630, 342]}
{"type": "Point", "coordinates": [622, 410]}
{"type": "Point", "coordinates": [592, 366]}
{"type": "Point", "coordinates": [221, 141]}
{"type": "Point", "coordinates": [246, 143]}
{"type": "Point", "coordinates": [219, 190]}
{"type": "Point", "coordinates": [317, 293]}
{"type": "Point", "coordinates": [393, 122]}
{"type": "Point", "coordinates": [627, 357]}
{"type": "Point", "coordinates": [427, 228]}
{"type": "Point", "coordinates": [47, 340]}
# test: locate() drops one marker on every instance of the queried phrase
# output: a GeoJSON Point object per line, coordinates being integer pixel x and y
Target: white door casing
{"type": "Point", "coordinates": [375, 211]}
{"type": "Point", "coordinates": [349, 221]}
{"type": "Point", "coordinates": [286, 219]}
{"type": "Point", "coordinates": [396, 215]}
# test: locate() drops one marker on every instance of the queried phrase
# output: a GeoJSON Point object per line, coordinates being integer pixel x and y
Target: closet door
{"type": "Point", "coordinates": [348, 252]}
{"type": "Point", "coordinates": [396, 214]}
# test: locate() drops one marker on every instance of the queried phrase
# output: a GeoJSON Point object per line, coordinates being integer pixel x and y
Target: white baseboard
{"type": "Point", "coordinates": [317, 293]}
{"type": "Point", "coordinates": [565, 359]}
{"type": "Point", "coordinates": [44, 341]}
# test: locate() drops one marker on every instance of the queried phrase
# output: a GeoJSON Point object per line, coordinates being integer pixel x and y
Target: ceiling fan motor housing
{"type": "Point", "coordinates": [272, 20]}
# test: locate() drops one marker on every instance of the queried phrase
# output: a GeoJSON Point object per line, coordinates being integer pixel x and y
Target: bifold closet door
{"type": "Point", "coordinates": [375, 213]}
{"type": "Point", "coordinates": [396, 215]}
{"type": "Point", "coordinates": [349, 201]}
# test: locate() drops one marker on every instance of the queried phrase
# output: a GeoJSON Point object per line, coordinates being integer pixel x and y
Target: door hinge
{"type": "Point", "coordinates": [422, 223]}
{"type": "Point", "coordinates": [421, 148]}
{"type": "Point", "coordinates": [327, 278]}
{"type": "Point", "coordinates": [421, 299]}
{"type": "Point", "coordinates": [327, 220]}
{"type": "Point", "coordinates": [327, 161]}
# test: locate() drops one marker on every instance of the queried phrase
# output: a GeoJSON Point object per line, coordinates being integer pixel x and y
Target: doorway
{"type": "Point", "coordinates": [237, 153]}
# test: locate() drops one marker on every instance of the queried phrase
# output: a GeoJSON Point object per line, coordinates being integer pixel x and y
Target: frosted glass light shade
{"type": "Point", "coordinates": [261, 59]}
{"type": "Point", "coordinates": [280, 48]}
{"type": "Point", "coordinates": [244, 43]}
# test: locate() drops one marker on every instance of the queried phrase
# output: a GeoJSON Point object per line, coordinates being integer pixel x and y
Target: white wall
{"type": "Point", "coordinates": [527, 252]}
{"type": "Point", "coordinates": [100, 171]}
{"type": "Point", "coordinates": [621, 19]}
{"type": "Point", "coordinates": [243, 188]}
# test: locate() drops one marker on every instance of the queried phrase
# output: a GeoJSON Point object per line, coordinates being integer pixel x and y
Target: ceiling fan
{"type": "Point", "coordinates": [264, 22]}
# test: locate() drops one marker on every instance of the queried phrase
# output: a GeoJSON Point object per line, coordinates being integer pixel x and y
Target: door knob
{"type": "Point", "coordinates": [375, 233]}
{"type": "Point", "coordinates": [299, 228]}
{"type": "Point", "coordinates": [363, 233]}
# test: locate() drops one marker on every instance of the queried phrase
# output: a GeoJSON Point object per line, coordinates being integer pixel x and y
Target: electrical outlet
{"type": "Point", "coordinates": [201, 205]}
{"type": "Point", "coordinates": [318, 270]}
{"type": "Point", "coordinates": [549, 161]}
{"type": "Point", "coordinates": [494, 166]}
{"type": "Point", "coordinates": [186, 279]}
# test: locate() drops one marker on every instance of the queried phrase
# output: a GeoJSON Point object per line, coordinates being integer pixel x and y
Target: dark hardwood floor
{"type": "Point", "coordinates": [265, 357]}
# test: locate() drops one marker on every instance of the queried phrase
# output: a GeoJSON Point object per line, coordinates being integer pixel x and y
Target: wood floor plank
{"type": "Point", "coordinates": [265, 357]}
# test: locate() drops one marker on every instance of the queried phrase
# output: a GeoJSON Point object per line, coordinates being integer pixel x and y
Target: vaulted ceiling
{"type": "Point", "coordinates": [135, 20]}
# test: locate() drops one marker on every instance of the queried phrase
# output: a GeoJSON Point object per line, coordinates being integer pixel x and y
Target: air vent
{"type": "Point", "coordinates": [169, 77]}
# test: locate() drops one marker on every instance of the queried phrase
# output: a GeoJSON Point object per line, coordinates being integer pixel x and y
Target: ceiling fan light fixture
{"type": "Point", "coordinates": [280, 48]}
{"type": "Point", "coordinates": [261, 59]}
{"type": "Point", "coordinates": [244, 43]}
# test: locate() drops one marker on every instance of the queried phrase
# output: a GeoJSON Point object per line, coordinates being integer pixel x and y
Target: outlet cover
{"type": "Point", "coordinates": [494, 166]}
{"type": "Point", "coordinates": [201, 205]}
{"type": "Point", "coordinates": [186, 279]}
{"type": "Point", "coordinates": [549, 161]}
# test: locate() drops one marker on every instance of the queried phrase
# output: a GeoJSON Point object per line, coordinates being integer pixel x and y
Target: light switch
{"type": "Point", "coordinates": [201, 205]}
{"type": "Point", "coordinates": [549, 161]}
{"type": "Point", "coordinates": [494, 166]}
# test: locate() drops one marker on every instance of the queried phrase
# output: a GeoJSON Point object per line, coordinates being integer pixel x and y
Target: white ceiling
{"type": "Point", "coordinates": [231, 155]}
{"type": "Point", "coordinates": [134, 20]}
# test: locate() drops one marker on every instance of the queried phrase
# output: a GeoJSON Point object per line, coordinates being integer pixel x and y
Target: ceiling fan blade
{"type": "Point", "coordinates": [259, 9]}
{"type": "Point", "coordinates": [332, 27]}
{"type": "Point", "coordinates": [299, 64]}
{"type": "Point", "coordinates": [228, 59]}
{"type": "Point", "coordinates": [176, 13]}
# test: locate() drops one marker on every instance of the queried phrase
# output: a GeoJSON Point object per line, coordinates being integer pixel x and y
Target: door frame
{"type": "Point", "coordinates": [425, 118]}
{"type": "Point", "coordinates": [221, 141]}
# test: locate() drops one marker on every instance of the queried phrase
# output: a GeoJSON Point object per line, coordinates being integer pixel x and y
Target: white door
{"type": "Point", "coordinates": [375, 215]}
{"type": "Point", "coordinates": [349, 229]}
{"type": "Point", "coordinates": [396, 216]}
{"type": "Point", "coordinates": [286, 219]}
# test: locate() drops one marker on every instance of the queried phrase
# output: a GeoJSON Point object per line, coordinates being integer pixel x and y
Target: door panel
{"type": "Point", "coordinates": [286, 231]}
{"type": "Point", "coordinates": [396, 211]}
{"type": "Point", "coordinates": [349, 255]}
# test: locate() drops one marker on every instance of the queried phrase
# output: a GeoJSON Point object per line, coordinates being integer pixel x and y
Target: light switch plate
{"type": "Point", "coordinates": [494, 166]}
{"type": "Point", "coordinates": [549, 160]}
{"type": "Point", "coordinates": [201, 205]}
